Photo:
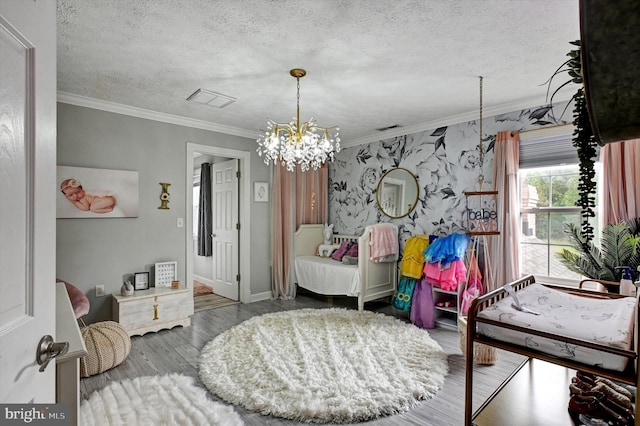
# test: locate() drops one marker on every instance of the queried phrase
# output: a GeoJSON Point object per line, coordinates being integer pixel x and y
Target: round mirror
{"type": "Point", "coordinates": [397, 192]}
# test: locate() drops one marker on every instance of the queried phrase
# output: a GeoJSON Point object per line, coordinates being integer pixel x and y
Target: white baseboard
{"type": "Point", "coordinates": [252, 297]}
{"type": "Point", "coordinates": [261, 296]}
{"type": "Point", "coordinates": [207, 281]}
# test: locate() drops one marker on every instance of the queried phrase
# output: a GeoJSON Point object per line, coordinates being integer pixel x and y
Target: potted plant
{"type": "Point", "coordinates": [619, 245]}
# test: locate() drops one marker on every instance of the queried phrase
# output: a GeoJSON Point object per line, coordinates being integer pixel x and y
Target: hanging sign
{"type": "Point", "coordinates": [482, 215]}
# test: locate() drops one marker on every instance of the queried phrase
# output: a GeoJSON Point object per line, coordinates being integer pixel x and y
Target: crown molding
{"type": "Point", "coordinates": [448, 121]}
{"type": "Point", "coordinates": [83, 101]}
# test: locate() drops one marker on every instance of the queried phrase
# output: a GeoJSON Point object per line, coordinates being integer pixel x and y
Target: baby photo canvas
{"type": "Point", "coordinates": [96, 193]}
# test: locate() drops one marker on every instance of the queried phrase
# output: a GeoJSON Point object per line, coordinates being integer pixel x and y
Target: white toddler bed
{"type": "Point", "coordinates": [368, 280]}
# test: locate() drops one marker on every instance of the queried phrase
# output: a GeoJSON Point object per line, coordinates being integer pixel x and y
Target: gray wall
{"type": "Point", "coordinates": [94, 252]}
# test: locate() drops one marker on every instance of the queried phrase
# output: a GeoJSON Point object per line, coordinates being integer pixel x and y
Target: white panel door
{"type": "Point", "coordinates": [27, 188]}
{"type": "Point", "coordinates": [225, 231]}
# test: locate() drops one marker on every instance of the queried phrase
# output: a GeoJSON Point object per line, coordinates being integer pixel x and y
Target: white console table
{"type": "Point", "coordinates": [153, 309]}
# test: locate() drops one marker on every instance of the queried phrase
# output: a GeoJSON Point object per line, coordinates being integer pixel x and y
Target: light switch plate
{"type": "Point", "coordinates": [99, 290]}
{"type": "Point", "coordinates": [180, 222]}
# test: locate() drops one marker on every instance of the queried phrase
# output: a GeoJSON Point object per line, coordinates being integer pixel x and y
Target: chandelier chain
{"type": "Point", "coordinates": [481, 150]}
{"type": "Point", "coordinates": [298, 104]}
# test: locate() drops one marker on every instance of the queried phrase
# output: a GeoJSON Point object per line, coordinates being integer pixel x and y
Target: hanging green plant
{"type": "Point", "coordinates": [585, 143]}
{"type": "Point", "coordinates": [583, 139]}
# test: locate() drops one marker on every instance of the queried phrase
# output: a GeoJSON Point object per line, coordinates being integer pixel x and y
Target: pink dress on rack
{"type": "Point", "coordinates": [446, 276]}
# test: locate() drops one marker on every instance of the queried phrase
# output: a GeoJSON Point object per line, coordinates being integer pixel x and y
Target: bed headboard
{"type": "Point", "coordinates": [308, 237]}
{"type": "Point", "coordinates": [339, 239]}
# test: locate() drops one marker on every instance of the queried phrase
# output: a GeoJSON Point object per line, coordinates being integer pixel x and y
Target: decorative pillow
{"type": "Point", "coordinates": [353, 251]}
{"type": "Point", "coordinates": [341, 251]}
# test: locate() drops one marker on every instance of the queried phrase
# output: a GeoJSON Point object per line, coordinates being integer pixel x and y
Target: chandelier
{"type": "Point", "coordinates": [293, 143]}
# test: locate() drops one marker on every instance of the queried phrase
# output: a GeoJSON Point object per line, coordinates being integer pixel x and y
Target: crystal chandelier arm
{"type": "Point", "coordinates": [285, 127]}
{"type": "Point", "coordinates": [279, 127]}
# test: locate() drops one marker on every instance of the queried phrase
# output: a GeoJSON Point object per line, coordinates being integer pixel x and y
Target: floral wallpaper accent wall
{"type": "Point", "coordinates": [445, 161]}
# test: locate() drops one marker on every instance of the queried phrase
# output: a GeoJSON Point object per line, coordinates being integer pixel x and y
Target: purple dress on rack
{"type": "Point", "coordinates": [422, 310]}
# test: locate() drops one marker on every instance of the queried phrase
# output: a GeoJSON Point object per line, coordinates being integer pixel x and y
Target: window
{"type": "Point", "coordinates": [549, 177]}
{"type": "Point", "coordinates": [547, 201]}
{"type": "Point", "coordinates": [196, 209]}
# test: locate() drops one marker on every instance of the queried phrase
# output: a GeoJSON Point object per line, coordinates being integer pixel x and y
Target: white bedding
{"type": "Point", "coordinates": [604, 321]}
{"type": "Point", "coordinates": [327, 276]}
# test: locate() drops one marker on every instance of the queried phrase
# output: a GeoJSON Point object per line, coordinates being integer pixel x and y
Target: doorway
{"type": "Point", "coordinates": [226, 272]}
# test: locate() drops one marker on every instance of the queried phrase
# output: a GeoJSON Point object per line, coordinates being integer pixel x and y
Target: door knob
{"type": "Point", "coordinates": [213, 235]}
{"type": "Point", "coordinates": [48, 350]}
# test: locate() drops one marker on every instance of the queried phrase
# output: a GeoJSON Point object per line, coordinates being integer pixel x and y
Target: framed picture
{"type": "Point", "coordinates": [141, 281]}
{"type": "Point", "coordinates": [166, 272]}
{"type": "Point", "coordinates": [261, 192]}
{"type": "Point", "coordinates": [96, 193]}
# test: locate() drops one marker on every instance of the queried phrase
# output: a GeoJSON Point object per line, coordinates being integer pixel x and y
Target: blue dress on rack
{"type": "Point", "coordinates": [447, 249]}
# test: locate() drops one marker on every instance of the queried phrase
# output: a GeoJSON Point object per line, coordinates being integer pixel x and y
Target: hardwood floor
{"type": "Point", "coordinates": [210, 301]}
{"type": "Point", "coordinates": [177, 351]}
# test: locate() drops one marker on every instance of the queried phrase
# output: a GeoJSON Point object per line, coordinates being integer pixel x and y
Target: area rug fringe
{"type": "Point", "coordinates": [324, 365]}
{"type": "Point", "coordinates": [173, 399]}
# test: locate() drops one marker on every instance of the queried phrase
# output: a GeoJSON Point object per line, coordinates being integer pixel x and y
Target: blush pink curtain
{"type": "Point", "coordinates": [621, 170]}
{"type": "Point", "coordinates": [298, 198]}
{"type": "Point", "coordinates": [503, 249]}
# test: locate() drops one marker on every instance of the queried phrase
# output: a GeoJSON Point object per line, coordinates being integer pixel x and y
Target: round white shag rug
{"type": "Point", "coordinates": [324, 365]}
{"type": "Point", "coordinates": [173, 399]}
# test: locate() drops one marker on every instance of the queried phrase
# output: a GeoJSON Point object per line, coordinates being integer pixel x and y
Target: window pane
{"type": "Point", "coordinates": [542, 227]}
{"type": "Point", "coordinates": [556, 268]}
{"type": "Point", "coordinates": [527, 226]}
{"type": "Point", "coordinates": [557, 235]}
{"type": "Point", "coordinates": [196, 209]}
{"type": "Point", "coordinates": [534, 190]}
{"type": "Point", "coordinates": [564, 190]}
{"type": "Point", "coordinates": [542, 259]}
{"type": "Point", "coordinates": [534, 227]}
{"type": "Point", "coordinates": [535, 259]}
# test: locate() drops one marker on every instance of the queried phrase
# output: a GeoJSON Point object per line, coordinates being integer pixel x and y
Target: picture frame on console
{"type": "Point", "coordinates": [165, 273]}
{"type": "Point", "coordinates": [141, 281]}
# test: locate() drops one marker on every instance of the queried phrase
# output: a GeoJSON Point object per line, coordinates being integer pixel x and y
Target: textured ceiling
{"type": "Point", "coordinates": [370, 64]}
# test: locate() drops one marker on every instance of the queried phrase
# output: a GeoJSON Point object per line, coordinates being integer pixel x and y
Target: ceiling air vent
{"type": "Point", "coordinates": [207, 97]}
{"type": "Point", "coordinates": [393, 126]}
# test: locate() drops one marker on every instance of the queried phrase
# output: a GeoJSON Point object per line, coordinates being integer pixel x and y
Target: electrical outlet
{"type": "Point", "coordinates": [180, 222]}
{"type": "Point", "coordinates": [99, 290]}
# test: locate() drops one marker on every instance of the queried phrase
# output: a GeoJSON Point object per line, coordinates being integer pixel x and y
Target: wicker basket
{"type": "Point", "coordinates": [482, 354]}
{"type": "Point", "coordinates": [108, 344]}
